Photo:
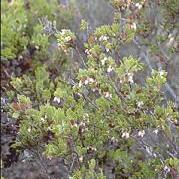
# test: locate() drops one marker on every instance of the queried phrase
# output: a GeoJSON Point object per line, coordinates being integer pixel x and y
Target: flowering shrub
{"type": "Point", "coordinates": [98, 116]}
{"type": "Point", "coordinates": [65, 39]}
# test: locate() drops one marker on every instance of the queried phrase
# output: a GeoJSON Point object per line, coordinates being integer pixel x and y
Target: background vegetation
{"type": "Point", "coordinates": [90, 89]}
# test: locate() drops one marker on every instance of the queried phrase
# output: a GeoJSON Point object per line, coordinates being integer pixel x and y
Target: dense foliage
{"type": "Point", "coordinates": [101, 113]}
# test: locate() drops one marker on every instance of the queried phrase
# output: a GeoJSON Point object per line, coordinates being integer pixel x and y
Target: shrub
{"type": "Point", "coordinates": [102, 109]}
{"type": "Point", "coordinates": [99, 115]}
{"type": "Point", "coordinates": [21, 27]}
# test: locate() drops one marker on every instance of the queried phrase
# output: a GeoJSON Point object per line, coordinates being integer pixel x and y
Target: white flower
{"type": "Point", "coordinates": [82, 124]}
{"type": "Point", "coordinates": [37, 47]}
{"type": "Point", "coordinates": [121, 81]}
{"type": "Point", "coordinates": [107, 50]}
{"type": "Point", "coordinates": [138, 5]}
{"type": "Point", "coordinates": [161, 73]}
{"type": "Point", "coordinates": [20, 57]}
{"type": "Point", "coordinates": [86, 82]}
{"type": "Point", "coordinates": [29, 129]}
{"type": "Point", "coordinates": [56, 99]}
{"type": "Point", "coordinates": [140, 104]}
{"type": "Point", "coordinates": [110, 68]}
{"type": "Point", "coordinates": [107, 95]}
{"type": "Point", "coordinates": [63, 31]}
{"type": "Point", "coordinates": [104, 60]}
{"type": "Point", "coordinates": [103, 38]}
{"type": "Point", "coordinates": [166, 169]}
{"type": "Point", "coordinates": [87, 52]}
{"type": "Point", "coordinates": [125, 135]}
{"type": "Point", "coordinates": [42, 119]}
{"type": "Point", "coordinates": [91, 80]}
{"type": "Point", "coordinates": [75, 124]}
{"type": "Point", "coordinates": [94, 89]}
{"type": "Point", "coordinates": [130, 77]}
{"type": "Point", "coordinates": [155, 131]}
{"type": "Point", "coordinates": [133, 26]}
{"type": "Point", "coordinates": [67, 39]}
{"type": "Point", "coordinates": [141, 133]}
{"type": "Point", "coordinates": [81, 159]}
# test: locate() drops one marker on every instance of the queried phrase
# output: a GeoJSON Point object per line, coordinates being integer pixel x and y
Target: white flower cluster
{"type": "Point", "coordinates": [109, 69]}
{"type": "Point", "coordinates": [87, 51]}
{"type": "Point", "coordinates": [103, 61]}
{"type": "Point", "coordinates": [103, 38]}
{"type": "Point", "coordinates": [87, 81]}
{"type": "Point", "coordinates": [107, 95]}
{"type": "Point", "coordinates": [166, 169]}
{"type": "Point", "coordinates": [162, 73]}
{"type": "Point", "coordinates": [155, 131]}
{"type": "Point", "coordinates": [107, 49]}
{"type": "Point", "coordinates": [140, 104]}
{"type": "Point", "coordinates": [133, 26]}
{"type": "Point", "coordinates": [138, 5]}
{"type": "Point", "coordinates": [125, 135]}
{"type": "Point", "coordinates": [141, 133]}
{"type": "Point", "coordinates": [91, 148]}
{"type": "Point", "coordinates": [130, 77]}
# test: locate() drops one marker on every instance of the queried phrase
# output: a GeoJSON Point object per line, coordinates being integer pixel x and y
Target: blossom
{"type": "Point", "coordinates": [140, 104]}
{"type": "Point", "coordinates": [133, 26]}
{"type": "Point", "coordinates": [161, 72]}
{"type": "Point", "coordinates": [86, 82]}
{"type": "Point", "coordinates": [42, 119]}
{"type": "Point", "coordinates": [166, 169]}
{"type": "Point", "coordinates": [67, 38]}
{"type": "Point", "coordinates": [91, 148]}
{"type": "Point", "coordinates": [95, 89]}
{"type": "Point", "coordinates": [56, 99]}
{"type": "Point", "coordinates": [107, 49]}
{"type": "Point", "coordinates": [104, 60]}
{"type": "Point", "coordinates": [81, 159]}
{"type": "Point", "coordinates": [155, 131]}
{"type": "Point", "coordinates": [87, 52]}
{"type": "Point", "coordinates": [82, 124]}
{"type": "Point", "coordinates": [91, 80]}
{"type": "Point", "coordinates": [37, 47]}
{"type": "Point", "coordinates": [130, 77]}
{"type": "Point", "coordinates": [141, 133]}
{"type": "Point", "coordinates": [107, 95]}
{"type": "Point", "coordinates": [138, 5]}
{"type": "Point", "coordinates": [110, 69]}
{"type": "Point", "coordinates": [103, 38]}
{"type": "Point", "coordinates": [125, 135]}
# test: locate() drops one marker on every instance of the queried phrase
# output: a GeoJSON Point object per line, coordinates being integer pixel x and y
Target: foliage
{"type": "Point", "coordinates": [14, 21]}
{"type": "Point", "coordinates": [21, 28]}
{"type": "Point", "coordinates": [105, 106]}
{"type": "Point", "coordinates": [99, 116]}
